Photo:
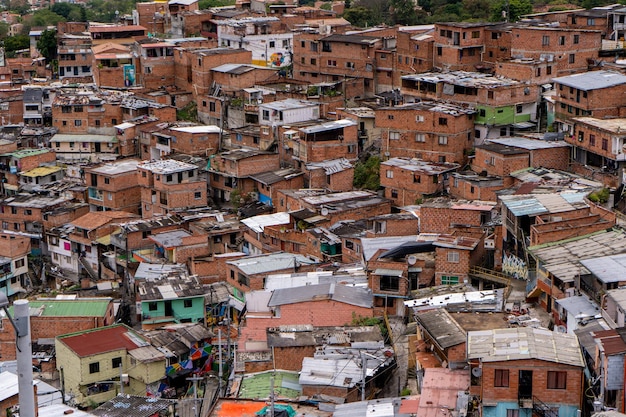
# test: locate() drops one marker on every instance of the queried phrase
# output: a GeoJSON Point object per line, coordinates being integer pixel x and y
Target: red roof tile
{"type": "Point", "coordinates": [103, 340]}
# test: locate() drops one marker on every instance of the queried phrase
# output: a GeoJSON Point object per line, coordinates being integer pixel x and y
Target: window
{"type": "Point", "coordinates": [453, 257]}
{"type": "Point", "coordinates": [390, 116]}
{"type": "Point", "coordinates": [561, 40]}
{"type": "Point", "coordinates": [116, 362]}
{"type": "Point", "coordinates": [394, 135]}
{"type": "Point", "coordinates": [349, 244]}
{"type": "Point", "coordinates": [197, 195]}
{"type": "Point", "coordinates": [501, 378]}
{"type": "Point", "coordinates": [188, 303]}
{"type": "Point", "coordinates": [313, 61]}
{"type": "Point", "coordinates": [152, 306]}
{"type": "Point", "coordinates": [417, 179]}
{"type": "Point", "coordinates": [475, 34]}
{"type": "Point", "coordinates": [332, 63]}
{"type": "Point", "coordinates": [78, 109]}
{"type": "Point", "coordinates": [394, 193]}
{"type": "Point", "coordinates": [490, 94]}
{"type": "Point", "coordinates": [94, 367]}
{"type": "Point", "coordinates": [78, 123]}
{"type": "Point", "coordinates": [266, 114]}
{"type": "Point", "coordinates": [518, 108]}
{"type": "Point", "coordinates": [19, 263]}
{"type": "Point", "coordinates": [272, 44]}
{"type": "Point", "coordinates": [388, 283]}
{"type": "Point", "coordinates": [66, 109]}
{"type": "Point", "coordinates": [557, 379]}
{"type": "Point", "coordinates": [512, 412]}
{"type": "Point", "coordinates": [591, 21]}
{"type": "Point", "coordinates": [28, 212]}
{"type": "Point", "coordinates": [389, 174]}
{"type": "Point", "coordinates": [212, 106]}
{"type": "Point", "coordinates": [572, 58]}
{"type": "Point", "coordinates": [419, 118]}
{"type": "Point", "coordinates": [592, 140]}
{"type": "Point", "coordinates": [447, 280]}
{"type": "Point", "coordinates": [107, 180]}
{"type": "Point", "coordinates": [605, 144]}
{"type": "Point", "coordinates": [576, 39]}
{"type": "Point", "coordinates": [420, 137]}
{"type": "Point", "coordinates": [549, 69]}
{"type": "Point", "coordinates": [443, 140]}
{"type": "Point", "coordinates": [350, 65]}
{"type": "Point", "coordinates": [443, 121]}
{"type": "Point", "coordinates": [545, 40]}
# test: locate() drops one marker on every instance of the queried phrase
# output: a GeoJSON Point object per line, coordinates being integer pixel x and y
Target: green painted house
{"type": "Point", "coordinates": [179, 299]}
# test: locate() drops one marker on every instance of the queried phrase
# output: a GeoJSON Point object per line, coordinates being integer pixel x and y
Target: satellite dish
{"type": "Point", "coordinates": [411, 260]}
{"type": "Point", "coordinates": [477, 372]}
{"type": "Point", "coordinates": [324, 211]}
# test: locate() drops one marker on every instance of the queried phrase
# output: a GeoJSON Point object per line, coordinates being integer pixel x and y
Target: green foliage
{"type": "Point", "coordinates": [15, 43]}
{"type": "Point", "coordinates": [405, 13]}
{"type": "Point", "coordinates": [207, 4]}
{"type": "Point", "coordinates": [47, 44]}
{"type": "Point", "coordinates": [516, 8]}
{"type": "Point", "coordinates": [20, 7]}
{"type": "Point", "coordinates": [369, 321]}
{"type": "Point", "coordinates": [600, 196]}
{"type": "Point", "coordinates": [188, 113]}
{"type": "Point", "coordinates": [104, 10]}
{"type": "Point", "coordinates": [45, 17]}
{"type": "Point", "coordinates": [366, 174]}
{"type": "Point", "coordinates": [405, 392]}
{"type": "Point", "coordinates": [326, 6]}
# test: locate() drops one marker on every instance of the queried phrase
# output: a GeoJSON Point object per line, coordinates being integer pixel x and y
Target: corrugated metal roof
{"type": "Point", "coordinates": [607, 269]}
{"type": "Point", "coordinates": [357, 296]}
{"type": "Point", "coordinates": [88, 307]}
{"type": "Point", "coordinates": [500, 345]}
{"type": "Point", "coordinates": [342, 373]}
{"type": "Point", "coordinates": [579, 305]}
{"type": "Point", "coordinates": [562, 259]}
{"type": "Point", "coordinates": [592, 80]}
{"type": "Point", "coordinates": [41, 171]}
{"type": "Point", "coordinates": [258, 223]}
{"type": "Point", "coordinates": [442, 327]}
{"type": "Point", "coordinates": [271, 262]}
{"type": "Point", "coordinates": [132, 406]}
{"type": "Point", "coordinates": [258, 385]}
{"type": "Point", "coordinates": [372, 245]}
{"type": "Point", "coordinates": [102, 340]}
{"type": "Point", "coordinates": [388, 272]}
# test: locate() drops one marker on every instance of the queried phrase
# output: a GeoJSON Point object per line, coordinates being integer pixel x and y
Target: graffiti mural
{"type": "Point", "coordinates": [514, 266]}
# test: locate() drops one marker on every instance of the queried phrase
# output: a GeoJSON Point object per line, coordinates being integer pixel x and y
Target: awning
{"type": "Point", "coordinates": [523, 125]}
{"type": "Point", "coordinates": [104, 240]}
{"type": "Point", "coordinates": [388, 272]}
{"type": "Point", "coordinates": [415, 269]}
{"type": "Point", "coordinates": [237, 304]}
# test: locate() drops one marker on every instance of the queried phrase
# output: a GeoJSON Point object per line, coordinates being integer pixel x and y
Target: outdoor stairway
{"type": "Point", "coordinates": [541, 409]}
{"type": "Point", "coordinates": [87, 267]}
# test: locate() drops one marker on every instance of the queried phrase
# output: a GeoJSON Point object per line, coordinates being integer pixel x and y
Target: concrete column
{"type": "Point", "coordinates": [24, 359]}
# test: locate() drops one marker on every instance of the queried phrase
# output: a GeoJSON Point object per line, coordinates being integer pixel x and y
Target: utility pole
{"type": "Point", "coordinates": [220, 372]}
{"type": "Point", "coordinates": [364, 374]}
{"type": "Point", "coordinates": [195, 380]}
{"type": "Point", "coordinates": [121, 379]}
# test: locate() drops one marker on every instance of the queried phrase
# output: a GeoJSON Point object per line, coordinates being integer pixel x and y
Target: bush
{"type": "Point", "coordinates": [600, 196]}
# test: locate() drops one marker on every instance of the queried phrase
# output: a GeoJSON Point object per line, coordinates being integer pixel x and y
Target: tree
{"type": "Point", "coordinates": [361, 17]}
{"type": "Point", "coordinates": [62, 9]}
{"type": "Point", "coordinates": [45, 17]}
{"type": "Point", "coordinates": [207, 4]}
{"type": "Point", "coordinates": [15, 43]}
{"type": "Point", "coordinates": [514, 9]}
{"type": "Point", "coordinates": [47, 45]}
{"type": "Point", "coordinates": [366, 174]}
{"type": "Point", "coordinates": [405, 13]}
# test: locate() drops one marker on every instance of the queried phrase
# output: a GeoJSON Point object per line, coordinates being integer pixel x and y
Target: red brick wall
{"type": "Point", "coordinates": [458, 129]}
{"type": "Point", "coordinates": [502, 165]}
{"type": "Point", "coordinates": [290, 358]}
{"type": "Point", "coordinates": [572, 395]}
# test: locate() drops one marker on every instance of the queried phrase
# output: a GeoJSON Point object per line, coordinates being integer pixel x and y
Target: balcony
{"type": "Point", "coordinates": [95, 194]}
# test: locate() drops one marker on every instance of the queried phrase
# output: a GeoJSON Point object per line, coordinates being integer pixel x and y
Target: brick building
{"type": "Point", "coordinates": [348, 205]}
{"type": "Point", "coordinates": [332, 174]}
{"type": "Point", "coordinates": [501, 104]}
{"type": "Point", "coordinates": [444, 336]}
{"type": "Point", "coordinates": [114, 186]}
{"type": "Point", "coordinates": [322, 58]}
{"type": "Point", "coordinates": [14, 162]}
{"type": "Point", "coordinates": [305, 142]}
{"type": "Point", "coordinates": [75, 57]}
{"type": "Point", "coordinates": [598, 148]}
{"type": "Point", "coordinates": [25, 213]}
{"type": "Point", "coordinates": [113, 66]}
{"type": "Point", "coordinates": [408, 181]}
{"type": "Point", "coordinates": [597, 94]}
{"type": "Point", "coordinates": [459, 46]}
{"type": "Point", "coordinates": [546, 376]}
{"type": "Point", "coordinates": [170, 185]}
{"type": "Point", "coordinates": [283, 113]}
{"type": "Point", "coordinates": [469, 185]}
{"type": "Point", "coordinates": [443, 215]}
{"type": "Point", "coordinates": [155, 63]}
{"type": "Point", "coordinates": [432, 131]}
{"type": "Point", "coordinates": [414, 50]}
{"type": "Point", "coordinates": [455, 255]}
{"type": "Point", "coordinates": [14, 252]}
{"type": "Point", "coordinates": [231, 170]}
{"type": "Point", "coordinates": [249, 273]}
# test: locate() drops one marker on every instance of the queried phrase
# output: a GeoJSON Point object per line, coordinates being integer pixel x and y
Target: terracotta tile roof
{"type": "Point", "coordinates": [104, 339]}
{"type": "Point", "coordinates": [93, 220]}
